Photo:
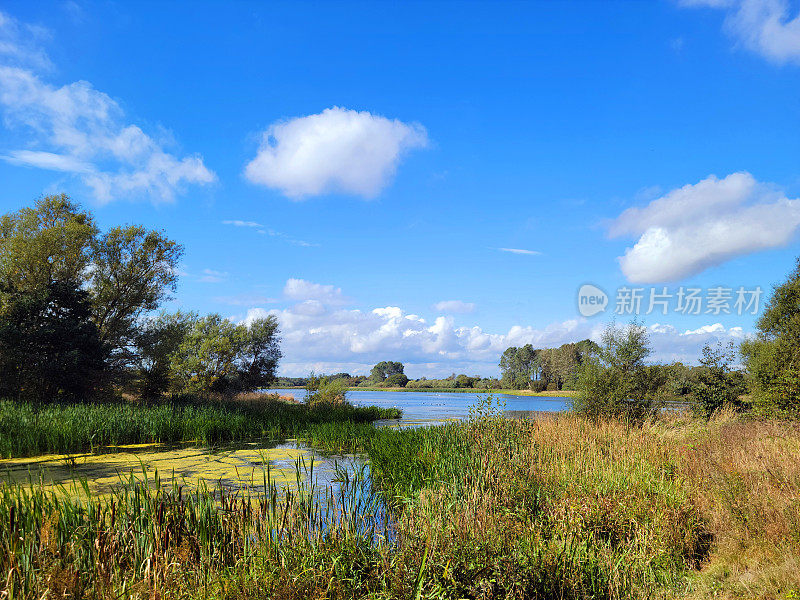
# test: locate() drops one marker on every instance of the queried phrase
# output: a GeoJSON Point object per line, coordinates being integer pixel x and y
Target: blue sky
{"type": "Point", "coordinates": [633, 143]}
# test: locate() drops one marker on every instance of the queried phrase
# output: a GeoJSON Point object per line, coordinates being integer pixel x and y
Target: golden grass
{"type": "Point", "coordinates": [745, 480]}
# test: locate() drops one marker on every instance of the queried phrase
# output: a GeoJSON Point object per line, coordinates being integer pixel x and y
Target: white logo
{"type": "Point", "coordinates": [591, 300]}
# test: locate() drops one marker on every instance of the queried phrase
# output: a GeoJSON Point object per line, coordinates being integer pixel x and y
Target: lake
{"type": "Point", "coordinates": [432, 408]}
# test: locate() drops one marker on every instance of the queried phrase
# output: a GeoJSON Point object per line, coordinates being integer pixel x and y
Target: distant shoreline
{"type": "Point", "coordinates": [545, 394]}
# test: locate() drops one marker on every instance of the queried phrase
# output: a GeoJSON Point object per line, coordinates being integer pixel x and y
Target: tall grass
{"type": "Point", "coordinates": [145, 542]}
{"type": "Point", "coordinates": [28, 429]}
{"type": "Point", "coordinates": [560, 508]}
{"type": "Point", "coordinates": [489, 508]}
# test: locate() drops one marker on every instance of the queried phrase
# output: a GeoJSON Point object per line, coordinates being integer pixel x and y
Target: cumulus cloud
{"type": "Point", "coordinates": [337, 150]}
{"type": "Point", "coordinates": [768, 27]}
{"type": "Point", "coordinates": [318, 336]}
{"type": "Point", "coordinates": [79, 130]}
{"type": "Point", "coordinates": [454, 306]}
{"type": "Point", "coordinates": [301, 289]}
{"type": "Point", "coordinates": [702, 225]}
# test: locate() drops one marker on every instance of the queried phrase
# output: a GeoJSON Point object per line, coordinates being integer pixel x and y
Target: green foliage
{"type": "Point", "coordinates": [326, 391]}
{"type": "Point", "coordinates": [772, 358]}
{"type": "Point", "coordinates": [28, 428]}
{"type": "Point", "coordinates": [47, 243]}
{"type": "Point", "coordinates": [216, 355]}
{"type": "Point", "coordinates": [125, 272]}
{"type": "Point", "coordinates": [385, 369]}
{"type": "Point", "coordinates": [158, 340]}
{"type": "Point", "coordinates": [396, 380]}
{"type": "Point", "coordinates": [133, 271]}
{"type": "Point", "coordinates": [49, 346]}
{"type": "Point", "coordinates": [544, 368]}
{"type": "Point", "coordinates": [616, 382]}
{"type": "Point", "coordinates": [717, 385]}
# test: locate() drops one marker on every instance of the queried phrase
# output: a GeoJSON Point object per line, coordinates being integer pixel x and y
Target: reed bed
{"type": "Point", "coordinates": [27, 429]}
{"type": "Point", "coordinates": [148, 541]}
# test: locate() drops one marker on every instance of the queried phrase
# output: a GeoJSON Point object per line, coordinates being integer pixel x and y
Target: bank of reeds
{"type": "Point", "coordinates": [27, 429]}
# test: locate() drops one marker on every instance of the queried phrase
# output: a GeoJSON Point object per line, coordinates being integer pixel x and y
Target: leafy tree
{"type": "Point", "coordinates": [396, 380]}
{"type": "Point", "coordinates": [127, 271]}
{"type": "Point", "coordinates": [329, 391]}
{"type": "Point", "coordinates": [385, 369]}
{"type": "Point", "coordinates": [772, 358]}
{"type": "Point", "coordinates": [50, 242]}
{"type": "Point", "coordinates": [158, 339]}
{"type": "Point", "coordinates": [49, 346]}
{"type": "Point", "coordinates": [615, 382]}
{"type": "Point", "coordinates": [132, 272]}
{"type": "Point", "coordinates": [259, 353]}
{"type": "Point", "coordinates": [717, 384]}
{"type": "Point", "coordinates": [217, 356]}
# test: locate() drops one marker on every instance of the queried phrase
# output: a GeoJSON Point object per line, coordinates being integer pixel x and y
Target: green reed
{"type": "Point", "coordinates": [28, 429]}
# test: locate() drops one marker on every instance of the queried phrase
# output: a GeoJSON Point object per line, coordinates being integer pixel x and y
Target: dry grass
{"type": "Point", "coordinates": [745, 478]}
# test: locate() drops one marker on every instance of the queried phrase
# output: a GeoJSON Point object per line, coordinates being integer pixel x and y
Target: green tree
{"type": "Point", "coordinates": [259, 353]}
{"type": "Point", "coordinates": [615, 382]}
{"type": "Point", "coordinates": [217, 356]}
{"type": "Point", "coordinates": [158, 340]}
{"type": "Point", "coordinates": [49, 346]}
{"type": "Point", "coordinates": [396, 380]}
{"type": "Point", "coordinates": [385, 369]}
{"type": "Point", "coordinates": [52, 241]}
{"type": "Point", "coordinates": [772, 358]}
{"type": "Point", "coordinates": [127, 271]}
{"type": "Point", "coordinates": [132, 272]}
{"type": "Point", "coordinates": [717, 384]}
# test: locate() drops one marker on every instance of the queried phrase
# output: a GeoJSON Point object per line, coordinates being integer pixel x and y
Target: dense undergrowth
{"type": "Point", "coordinates": [490, 508]}
{"type": "Point", "coordinates": [27, 429]}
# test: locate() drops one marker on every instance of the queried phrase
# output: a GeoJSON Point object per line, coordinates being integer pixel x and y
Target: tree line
{"type": "Point", "coordinates": [761, 376]}
{"type": "Point", "coordinates": [78, 314]}
{"type": "Point", "coordinates": [540, 369]}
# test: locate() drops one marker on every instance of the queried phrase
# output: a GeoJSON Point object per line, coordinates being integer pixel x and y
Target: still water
{"type": "Point", "coordinates": [243, 466]}
{"type": "Point", "coordinates": [433, 408]}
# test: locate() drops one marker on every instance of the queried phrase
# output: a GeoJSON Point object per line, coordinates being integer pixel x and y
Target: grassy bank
{"type": "Point", "coordinates": [27, 429]}
{"type": "Point", "coordinates": [490, 508]}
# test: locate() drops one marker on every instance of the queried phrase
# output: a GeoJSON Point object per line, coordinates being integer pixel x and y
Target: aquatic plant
{"type": "Point", "coordinates": [27, 429]}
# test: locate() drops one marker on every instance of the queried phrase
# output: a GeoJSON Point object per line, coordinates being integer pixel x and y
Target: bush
{"type": "Point", "coordinates": [717, 385]}
{"type": "Point", "coordinates": [615, 382]}
{"type": "Point", "coordinates": [396, 380]}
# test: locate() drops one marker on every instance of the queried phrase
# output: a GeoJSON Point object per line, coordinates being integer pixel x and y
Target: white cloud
{"type": "Point", "coordinates": [318, 336]}
{"type": "Point", "coordinates": [337, 150]}
{"type": "Point", "coordinates": [19, 43]}
{"type": "Point", "coordinates": [702, 225]}
{"type": "Point", "coordinates": [242, 223]}
{"type": "Point", "coordinates": [300, 289]}
{"type": "Point", "coordinates": [520, 251]}
{"type": "Point", "coordinates": [454, 306]}
{"type": "Point", "coordinates": [768, 27]}
{"type": "Point", "coordinates": [77, 129]}
{"type": "Point", "coordinates": [270, 232]}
